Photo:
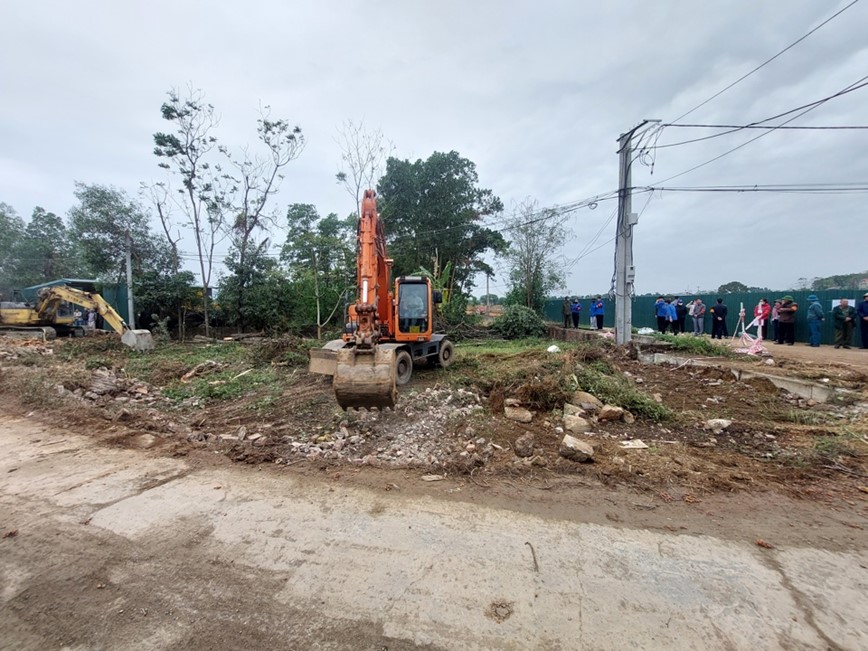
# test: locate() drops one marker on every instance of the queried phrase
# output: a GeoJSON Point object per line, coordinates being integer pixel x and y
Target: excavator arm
{"type": "Point", "coordinates": [50, 299]}
{"type": "Point", "coordinates": [365, 373]}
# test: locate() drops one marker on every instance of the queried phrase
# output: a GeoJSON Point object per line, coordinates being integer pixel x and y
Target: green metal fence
{"type": "Point", "coordinates": [645, 316]}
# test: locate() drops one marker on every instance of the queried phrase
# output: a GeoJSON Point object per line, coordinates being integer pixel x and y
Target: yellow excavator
{"type": "Point", "coordinates": [42, 317]}
{"type": "Point", "coordinates": [389, 327]}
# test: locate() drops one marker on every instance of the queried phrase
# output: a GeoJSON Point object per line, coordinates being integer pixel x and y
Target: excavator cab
{"type": "Point", "coordinates": [414, 307]}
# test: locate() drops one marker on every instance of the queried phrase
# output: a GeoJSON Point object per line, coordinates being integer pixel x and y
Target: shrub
{"type": "Point", "coordinates": [518, 322]}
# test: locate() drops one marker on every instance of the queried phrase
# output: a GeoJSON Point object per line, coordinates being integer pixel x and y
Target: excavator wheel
{"type": "Point", "coordinates": [446, 353]}
{"type": "Point", "coordinates": [403, 367]}
{"type": "Point", "coordinates": [365, 378]}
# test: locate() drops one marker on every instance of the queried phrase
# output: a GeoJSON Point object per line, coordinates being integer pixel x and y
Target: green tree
{"type": "Point", "coordinates": [45, 252]}
{"type": "Point", "coordinates": [733, 287]}
{"type": "Point", "coordinates": [535, 268]}
{"type": "Point", "coordinates": [11, 234]}
{"type": "Point", "coordinates": [433, 212]}
{"type": "Point", "coordinates": [320, 257]}
{"type": "Point", "coordinates": [99, 225]}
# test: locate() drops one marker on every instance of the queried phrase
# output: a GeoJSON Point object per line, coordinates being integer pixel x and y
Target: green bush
{"type": "Point", "coordinates": [518, 322]}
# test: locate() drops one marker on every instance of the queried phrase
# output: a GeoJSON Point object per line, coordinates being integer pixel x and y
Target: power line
{"type": "Point", "coordinates": [766, 62]}
{"type": "Point", "coordinates": [854, 86]}
{"type": "Point", "coordinates": [733, 128]}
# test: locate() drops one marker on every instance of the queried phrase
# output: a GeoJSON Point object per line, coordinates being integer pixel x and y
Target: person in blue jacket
{"type": "Point", "coordinates": [816, 316]}
{"type": "Point", "coordinates": [576, 309]}
{"type": "Point", "coordinates": [597, 313]}
{"type": "Point", "coordinates": [661, 309]}
{"type": "Point", "coordinates": [672, 316]}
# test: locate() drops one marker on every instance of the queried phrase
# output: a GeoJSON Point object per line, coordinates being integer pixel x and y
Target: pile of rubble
{"type": "Point", "coordinates": [111, 386]}
{"type": "Point", "coordinates": [579, 418]}
{"type": "Point", "coordinates": [427, 429]}
{"type": "Point", "coordinates": [12, 348]}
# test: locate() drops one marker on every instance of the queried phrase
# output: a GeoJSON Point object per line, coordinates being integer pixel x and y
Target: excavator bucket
{"type": "Point", "coordinates": [138, 339]}
{"type": "Point", "coordinates": [365, 378]}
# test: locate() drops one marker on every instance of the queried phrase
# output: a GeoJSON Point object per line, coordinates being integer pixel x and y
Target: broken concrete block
{"type": "Point", "coordinates": [575, 450]}
{"type": "Point", "coordinates": [573, 410]}
{"type": "Point", "coordinates": [610, 412]}
{"type": "Point", "coordinates": [717, 425]}
{"type": "Point", "coordinates": [576, 424]}
{"type": "Point", "coordinates": [519, 414]}
{"type": "Point", "coordinates": [583, 396]}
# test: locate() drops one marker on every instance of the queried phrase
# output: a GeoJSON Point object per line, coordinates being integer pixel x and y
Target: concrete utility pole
{"type": "Point", "coordinates": [487, 296]}
{"type": "Point", "coordinates": [131, 321]}
{"type": "Point", "coordinates": [625, 272]}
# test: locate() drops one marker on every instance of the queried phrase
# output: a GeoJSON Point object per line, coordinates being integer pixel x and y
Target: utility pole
{"type": "Point", "coordinates": [625, 272]}
{"type": "Point", "coordinates": [487, 296]}
{"type": "Point", "coordinates": [131, 321]}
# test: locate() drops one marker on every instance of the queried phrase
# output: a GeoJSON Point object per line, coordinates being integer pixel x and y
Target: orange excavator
{"type": "Point", "coordinates": [387, 329]}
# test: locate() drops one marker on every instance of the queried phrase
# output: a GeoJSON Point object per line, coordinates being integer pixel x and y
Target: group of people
{"type": "Point", "coordinates": [671, 315]}
{"type": "Point", "coordinates": [90, 319]}
{"type": "Point", "coordinates": [572, 312]}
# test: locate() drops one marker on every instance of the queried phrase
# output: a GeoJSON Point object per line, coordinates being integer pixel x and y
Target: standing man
{"type": "Point", "coordinates": [567, 311]}
{"type": "Point", "coordinates": [661, 309]}
{"type": "Point", "coordinates": [862, 312]}
{"type": "Point", "coordinates": [815, 319]}
{"type": "Point", "coordinates": [576, 310]}
{"type": "Point", "coordinates": [787, 321]}
{"type": "Point", "coordinates": [597, 313]}
{"type": "Point", "coordinates": [718, 320]}
{"type": "Point", "coordinates": [681, 313]}
{"type": "Point", "coordinates": [776, 319]}
{"type": "Point", "coordinates": [843, 317]}
{"type": "Point", "coordinates": [673, 316]}
{"type": "Point", "coordinates": [697, 313]}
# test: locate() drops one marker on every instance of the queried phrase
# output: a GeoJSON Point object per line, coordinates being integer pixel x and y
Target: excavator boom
{"type": "Point", "coordinates": [364, 370]}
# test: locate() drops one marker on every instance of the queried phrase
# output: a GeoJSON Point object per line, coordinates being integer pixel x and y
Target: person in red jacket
{"type": "Point", "coordinates": [763, 311]}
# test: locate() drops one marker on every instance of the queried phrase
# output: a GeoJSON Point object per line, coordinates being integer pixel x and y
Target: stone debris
{"type": "Point", "coordinates": [610, 412]}
{"type": "Point", "coordinates": [576, 424]}
{"type": "Point", "coordinates": [576, 450]}
{"type": "Point", "coordinates": [634, 444]}
{"type": "Point", "coordinates": [519, 414]}
{"type": "Point", "coordinates": [628, 418]}
{"type": "Point", "coordinates": [523, 445]}
{"type": "Point", "coordinates": [573, 410]}
{"type": "Point", "coordinates": [717, 425]}
{"type": "Point", "coordinates": [580, 397]}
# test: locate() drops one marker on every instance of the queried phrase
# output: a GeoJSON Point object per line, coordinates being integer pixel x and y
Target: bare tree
{"type": "Point", "coordinates": [363, 156]}
{"type": "Point", "coordinates": [532, 260]}
{"type": "Point", "coordinates": [186, 154]}
{"type": "Point", "coordinates": [254, 180]}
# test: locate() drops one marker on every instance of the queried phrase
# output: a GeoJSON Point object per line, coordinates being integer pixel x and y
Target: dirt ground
{"type": "Point", "coordinates": [256, 404]}
{"type": "Point", "coordinates": [787, 474]}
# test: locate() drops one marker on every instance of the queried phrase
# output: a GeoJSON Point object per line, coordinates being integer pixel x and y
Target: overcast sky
{"type": "Point", "coordinates": [535, 93]}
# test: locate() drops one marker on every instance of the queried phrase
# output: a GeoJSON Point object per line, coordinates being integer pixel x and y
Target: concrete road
{"type": "Point", "coordinates": [124, 549]}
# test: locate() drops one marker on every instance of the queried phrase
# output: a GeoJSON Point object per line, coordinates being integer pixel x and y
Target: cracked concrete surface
{"type": "Point", "coordinates": [216, 557]}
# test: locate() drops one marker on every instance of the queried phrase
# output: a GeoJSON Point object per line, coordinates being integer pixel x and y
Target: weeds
{"type": "Point", "coordinates": [699, 346]}
{"type": "Point", "coordinates": [599, 379]}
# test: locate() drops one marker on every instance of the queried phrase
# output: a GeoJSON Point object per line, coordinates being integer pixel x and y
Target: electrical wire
{"type": "Point", "coordinates": [811, 107]}
{"type": "Point", "coordinates": [759, 123]}
{"type": "Point", "coordinates": [766, 62]}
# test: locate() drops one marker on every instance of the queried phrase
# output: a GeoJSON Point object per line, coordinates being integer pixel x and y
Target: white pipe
{"type": "Point", "coordinates": [365, 290]}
